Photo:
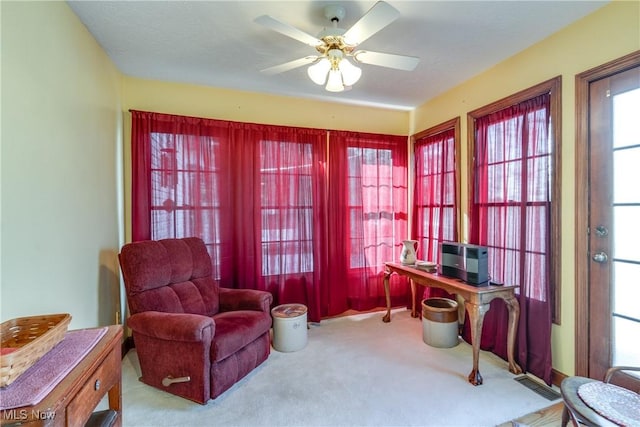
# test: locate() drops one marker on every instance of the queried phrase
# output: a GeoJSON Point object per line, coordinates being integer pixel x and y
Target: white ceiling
{"type": "Point", "coordinates": [216, 43]}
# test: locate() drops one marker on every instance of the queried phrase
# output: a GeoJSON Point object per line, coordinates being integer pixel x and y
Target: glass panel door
{"type": "Point", "coordinates": [625, 283]}
{"type": "Point", "coordinates": [614, 222]}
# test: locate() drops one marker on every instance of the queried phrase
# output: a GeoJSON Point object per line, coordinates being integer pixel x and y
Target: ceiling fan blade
{"type": "Point", "coordinates": [288, 30]}
{"type": "Point", "coordinates": [399, 62]}
{"type": "Point", "coordinates": [289, 65]}
{"type": "Point", "coordinates": [378, 17]}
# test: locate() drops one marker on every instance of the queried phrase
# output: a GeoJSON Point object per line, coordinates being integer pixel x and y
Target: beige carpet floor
{"type": "Point", "coordinates": [354, 371]}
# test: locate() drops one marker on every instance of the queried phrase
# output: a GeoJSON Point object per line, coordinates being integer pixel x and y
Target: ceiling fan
{"type": "Point", "coordinates": [335, 45]}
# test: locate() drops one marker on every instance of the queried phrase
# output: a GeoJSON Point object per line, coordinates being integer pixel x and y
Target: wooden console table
{"type": "Point", "coordinates": [476, 301]}
{"type": "Point", "coordinates": [73, 400]}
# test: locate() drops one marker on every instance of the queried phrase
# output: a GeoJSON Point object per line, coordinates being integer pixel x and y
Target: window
{"type": "Point", "coordinates": [515, 209]}
{"type": "Point", "coordinates": [435, 188]}
{"type": "Point", "coordinates": [184, 189]}
{"type": "Point", "coordinates": [517, 199]}
{"type": "Point", "coordinates": [371, 216]}
{"type": "Point", "coordinates": [287, 207]}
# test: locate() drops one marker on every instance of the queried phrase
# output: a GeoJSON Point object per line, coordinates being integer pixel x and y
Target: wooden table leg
{"type": "Point", "coordinates": [514, 314]}
{"type": "Point", "coordinates": [413, 298]}
{"type": "Point", "coordinates": [115, 401]}
{"type": "Point", "coordinates": [387, 294]}
{"type": "Point", "coordinates": [476, 319]}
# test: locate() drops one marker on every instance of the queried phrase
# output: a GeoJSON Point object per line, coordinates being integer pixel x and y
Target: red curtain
{"type": "Point", "coordinates": [510, 214]}
{"type": "Point", "coordinates": [257, 195]}
{"type": "Point", "coordinates": [286, 201]}
{"type": "Point", "coordinates": [434, 200]}
{"type": "Point", "coordinates": [367, 219]}
{"type": "Point", "coordinates": [254, 193]}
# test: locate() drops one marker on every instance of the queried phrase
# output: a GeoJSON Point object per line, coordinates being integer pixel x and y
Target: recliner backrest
{"type": "Point", "coordinates": [169, 275]}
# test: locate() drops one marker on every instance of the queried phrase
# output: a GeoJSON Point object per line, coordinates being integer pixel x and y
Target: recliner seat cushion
{"type": "Point", "coordinates": [236, 329]}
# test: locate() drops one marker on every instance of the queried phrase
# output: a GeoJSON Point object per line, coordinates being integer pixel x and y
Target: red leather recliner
{"type": "Point", "coordinates": [193, 338]}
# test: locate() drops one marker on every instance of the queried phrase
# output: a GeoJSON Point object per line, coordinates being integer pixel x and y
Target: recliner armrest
{"type": "Point", "coordinates": [245, 299]}
{"type": "Point", "coordinates": [183, 327]}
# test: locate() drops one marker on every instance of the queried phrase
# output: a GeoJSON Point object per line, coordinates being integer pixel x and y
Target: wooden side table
{"type": "Point", "coordinates": [72, 402]}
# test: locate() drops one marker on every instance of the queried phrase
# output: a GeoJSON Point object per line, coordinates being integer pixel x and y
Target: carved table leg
{"type": "Point", "coordinates": [476, 318]}
{"type": "Point", "coordinates": [514, 313]}
{"type": "Point", "coordinates": [387, 294]}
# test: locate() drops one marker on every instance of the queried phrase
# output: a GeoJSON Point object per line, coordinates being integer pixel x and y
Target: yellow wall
{"type": "Point", "coordinates": [225, 104]}
{"type": "Point", "coordinates": [61, 168]}
{"type": "Point", "coordinates": [609, 33]}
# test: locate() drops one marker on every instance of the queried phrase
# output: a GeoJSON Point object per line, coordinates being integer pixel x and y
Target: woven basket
{"type": "Point", "coordinates": [25, 340]}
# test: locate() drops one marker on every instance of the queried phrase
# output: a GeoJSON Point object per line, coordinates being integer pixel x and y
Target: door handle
{"type": "Point", "coordinates": [600, 257]}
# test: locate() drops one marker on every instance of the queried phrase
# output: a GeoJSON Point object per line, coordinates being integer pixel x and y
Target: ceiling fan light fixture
{"type": "Point", "coordinates": [318, 71]}
{"type": "Point", "coordinates": [334, 82]}
{"type": "Point", "coordinates": [350, 73]}
{"type": "Point", "coordinates": [334, 45]}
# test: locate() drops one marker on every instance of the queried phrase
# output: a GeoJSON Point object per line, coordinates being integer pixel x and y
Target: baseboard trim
{"type": "Point", "coordinates": [557, 377]}
{"type": "Point", "coordinates": [127, 345]}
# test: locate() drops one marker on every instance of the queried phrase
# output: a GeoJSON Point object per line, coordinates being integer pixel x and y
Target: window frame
{"type": "Point", "coordinates": [554, 88]}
